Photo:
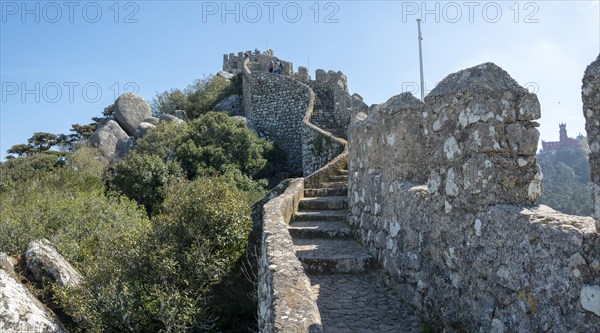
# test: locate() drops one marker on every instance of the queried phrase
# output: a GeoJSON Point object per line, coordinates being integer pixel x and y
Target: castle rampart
{"type": "Point", "coordinates": [305, 117]}
{"type": "Point", "coordinates": [590, 95]}
{"type": "Point", "coordinates": [444, 192]}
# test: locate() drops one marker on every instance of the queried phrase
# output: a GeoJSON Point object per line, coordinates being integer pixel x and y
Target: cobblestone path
{"type": "Point", "coordinates": [350, 292]}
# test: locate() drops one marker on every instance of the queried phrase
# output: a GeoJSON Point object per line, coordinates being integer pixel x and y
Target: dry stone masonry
{"type": "Point", "coordinates": [590, 94]}
{"type": "Point", "coordinates": [443, 193]}
{"type": "Point", "coordinates": [307, 118]}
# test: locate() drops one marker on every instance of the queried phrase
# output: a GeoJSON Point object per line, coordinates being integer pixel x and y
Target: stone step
{"type": "Point", "coordinates": [324, 192]}
{"type": "Point", "coordinates": [332, 256]}
{"type": "Point", "coordinates": [320, 229]}
{"type": "Point", "coordinates": [320, 215]}
{"type": "Point", "coordinates": [336, 184]}
{"type": "Point", "coordinates": [339, 178]}
{"type": "Point", "coordinates": [324, 203]}
{"type": "Point", "coordinates": [343, 172]}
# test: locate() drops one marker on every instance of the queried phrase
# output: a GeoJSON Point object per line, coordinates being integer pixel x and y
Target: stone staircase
{"type": "Point", "coordinates": [349, 289]}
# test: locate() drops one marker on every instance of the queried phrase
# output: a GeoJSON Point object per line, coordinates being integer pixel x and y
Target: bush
{"type": "Point", "coordinates": [198, 98]}
{"type": "Point", "coordinates": [217, 142]}
{"type": "Point", "coordinates": [161, 281]}
{"type": "Point", "coordinates": [142, 177]}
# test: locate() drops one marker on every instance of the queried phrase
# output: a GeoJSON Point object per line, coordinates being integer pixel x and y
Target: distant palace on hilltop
{"type": "Point", "coordinates": [564, 141]}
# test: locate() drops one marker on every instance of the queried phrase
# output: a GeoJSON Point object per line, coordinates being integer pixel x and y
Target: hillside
{"type": "Point", "coordinates": [566, 181]}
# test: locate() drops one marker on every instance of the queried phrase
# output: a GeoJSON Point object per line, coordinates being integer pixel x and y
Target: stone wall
{"type": "Point", "coordinates": [276, 105]}
{"type": "Point", "coordinates": [307, 118]}
{"type": "Point", "coordinates": [284, 290]}
{"type": "Point", "coordinates": [324, 128]}
{"type": "Point", "coordinates": [442, 194]}
{"type": "Point", "coordinates": [590, 94]}
{"type": "Point", "coordinates": [259, 62]}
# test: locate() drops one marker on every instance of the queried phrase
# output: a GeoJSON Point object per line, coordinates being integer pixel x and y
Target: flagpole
{"type": "Point", "coordinates": [421, 60]}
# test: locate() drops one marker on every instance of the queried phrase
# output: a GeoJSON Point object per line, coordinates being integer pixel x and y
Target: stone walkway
{"type": "Point", "coordinates": [349, 290]}
{"type": "Point", "coordinates": [361, 303]}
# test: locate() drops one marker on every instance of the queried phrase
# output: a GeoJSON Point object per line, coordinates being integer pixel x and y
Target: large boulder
{"type": "Point", "coordinates": [152, 120]}
{"type": "Point", "coordinates": [246, 122]}
{"type": "Point", "coordinates": [7, 262]}
{"type": "Point", "coordinates": [170, 119]}
{"type": "Point", "coordinates": [46, 265]}
{"type": "Point", "coordinates": [181, 115]}
{"type": "Point", "coordinates": [20, 311]}
{"type": "Point", "coordinates": [226, 75]}
{"type": "Point", "coordinates": [124, 147]}
{"type": "Point", "coordinates": [142, 129]}
{"type": "Point", "coordinates": [231, 105]}
{"type": "Point", "coordinates": [107, 136]}
{"type": "Point", "coordinates": [130, 110]}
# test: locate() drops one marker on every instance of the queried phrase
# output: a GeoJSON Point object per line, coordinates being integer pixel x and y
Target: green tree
{"type": "Point", "coordinates": [142, 177]}
{"type": "Point", "coordinates": [42, 141]}
{"type": "Point", "coordinates": [198, 98]}
{"type": "Point", "coordinates": [217, 142]}
{"type": "Point", "coordinates": [83, 132]}
{"type": "Point", "coordinates": [566, 181]}
{"type": "Point", "coordinates": [20, 149]}
{"type": "Point", "coordinates": [168, 102]}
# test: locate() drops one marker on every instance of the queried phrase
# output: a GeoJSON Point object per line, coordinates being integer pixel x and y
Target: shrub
{"type": "Point", "coordinates": [161, 281]}
{"type": "Point", "coordinates": [141, 177]}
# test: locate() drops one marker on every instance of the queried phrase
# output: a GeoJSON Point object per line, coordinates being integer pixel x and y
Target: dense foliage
{"type": "Point", "coordinates": [198, 98]}
{"type": "Point", "coordinates": [212, 145]}
{"type": "Point", "coordinates": [159, 237]}
{"type": "Point", "coordinates": [161, 278]}
{"type": "Point", "coordinates": [566, 181]}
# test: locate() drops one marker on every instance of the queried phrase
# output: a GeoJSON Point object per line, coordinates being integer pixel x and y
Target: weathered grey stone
{"type": "Point", "coordinates": [130, 110]}
{"type": "Point", "coordinates": [152, 120]}
{"type": "Point", "coordinates": [47, 265]}
{"type": "Point", "coordinates": [142, 129]}
{"type": "Point", "coordinates": [181, 115]}
{"type": "Point", "coordinates": [231, 105]}
{"type": "Point", "coordinates": [470, 228]}
{"type": "Point", "coordinates": [590, 299]}
{"type": "Point", "coordinates": [20, 311]}
{"type": "Point", "coordinates": [170, 119]}
{"type": "Point", "coordinates": [482, 141]}
{"type": "Point", "coordinates": [285, 301]}
{"type": "Point", "coordinates": [246, 122]}
{"type": "Point", "coordinates": [226, 75]}
{"type": "Point", "coordinates": [123, 148]}
{"type": "Point", "coordinates": [7, 262]}
{"type": "Point", "coordinates": [590, 95]}
{"type": "Point", "coordinates": [107, 136]}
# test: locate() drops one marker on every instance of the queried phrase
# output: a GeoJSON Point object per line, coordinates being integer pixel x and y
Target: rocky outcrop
{"type": "Point", "coordinates": [7, 263]}
{"type": "Point", "coordinates": [152, 120]}
{"type": "Point", "coordinates": [107, 137]}
{"type": "Point", "coordinates": [142, 129]}
{"type": "Point", "coordinates": [20, 311]}
{"type": "Point", "coordinates": [181, 115]}
{"type": "Point", "coordinates": [167, 118]}
{"type": "Point", "coordinates": [231, 105]}
{"type": "Point", "coordinates": [46, 265]}
{"type": "Point", "coordinates": [590, 94]}
{"type": "Point", "coordinates": [130, 110]}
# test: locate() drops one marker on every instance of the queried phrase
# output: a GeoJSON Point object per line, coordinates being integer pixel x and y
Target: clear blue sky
{"type": "Point", "coordinates": [75, 58]}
